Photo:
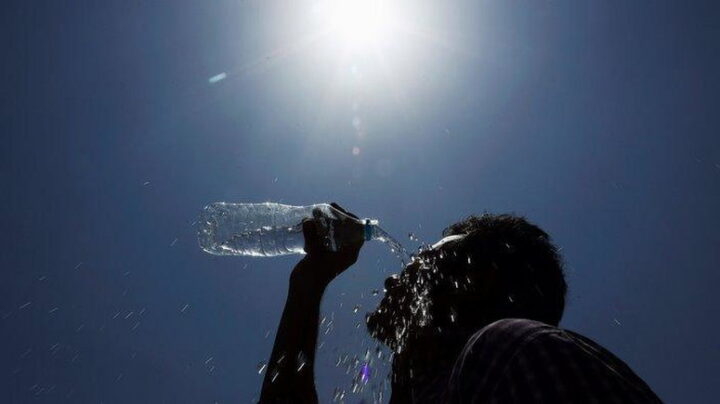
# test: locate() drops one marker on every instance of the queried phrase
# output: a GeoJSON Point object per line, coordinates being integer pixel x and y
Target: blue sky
{"type": "Point", "coordinates": [596, 120]}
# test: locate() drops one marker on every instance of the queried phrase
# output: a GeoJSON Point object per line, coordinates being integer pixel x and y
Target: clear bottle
{"type": "Point", "coordinates": [272, 229]}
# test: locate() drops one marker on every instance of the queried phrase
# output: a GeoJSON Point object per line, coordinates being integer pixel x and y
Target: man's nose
{"type": "Point", "coordinates": [392, 282]}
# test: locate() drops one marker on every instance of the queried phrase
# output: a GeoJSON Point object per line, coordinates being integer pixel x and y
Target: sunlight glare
{"type": "Point", "coordinates": [356, 24]}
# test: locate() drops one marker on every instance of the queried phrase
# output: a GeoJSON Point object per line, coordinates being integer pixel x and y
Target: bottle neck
{"type": "Point", "coordinates": [370, 225]}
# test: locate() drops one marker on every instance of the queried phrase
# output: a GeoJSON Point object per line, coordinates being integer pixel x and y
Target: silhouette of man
{"type": "Point", "coordinates": [472, 319]}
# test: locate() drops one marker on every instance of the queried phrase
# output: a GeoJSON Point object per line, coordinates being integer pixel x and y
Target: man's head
{"type": "Point", "coordinates": [486, 268]}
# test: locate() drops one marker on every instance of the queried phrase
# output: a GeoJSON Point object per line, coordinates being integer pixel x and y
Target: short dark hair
{"type": "Point", "coordinates": [530, 279]}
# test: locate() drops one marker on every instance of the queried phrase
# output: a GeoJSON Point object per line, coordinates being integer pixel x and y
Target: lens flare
{"type": "Point", "coordinates": [365, 373]}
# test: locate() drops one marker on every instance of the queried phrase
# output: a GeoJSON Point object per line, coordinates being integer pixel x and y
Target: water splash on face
{"type": "Point", "coordinates": [399, 317]}
{"type": "Point", "coordinates": [417, 301]}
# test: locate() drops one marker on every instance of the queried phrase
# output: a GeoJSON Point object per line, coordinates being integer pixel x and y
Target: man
{"type": "Point", "coordinates": [472, 319]}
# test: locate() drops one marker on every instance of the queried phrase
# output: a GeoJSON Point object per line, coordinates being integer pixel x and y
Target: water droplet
{"type": "Point", "coordinates": [356, 308]}
{"type": "Point", "coordinates": [261, 367]}
{"type": "Point", "coordinates": [375, 292]}
{"type": "Point", "coordinates": [338, 394]}
{"type": "Point", "coordinates": [301, 361]}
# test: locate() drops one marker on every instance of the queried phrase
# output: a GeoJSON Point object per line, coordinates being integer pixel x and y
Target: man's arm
{"type": "Point", "coordinates": [290, 372]}
{"type": "Point", "coordinates": [290, 376]}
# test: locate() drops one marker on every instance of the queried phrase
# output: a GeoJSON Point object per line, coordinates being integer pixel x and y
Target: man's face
{"type": "Point", "coordinates": [406, 306]}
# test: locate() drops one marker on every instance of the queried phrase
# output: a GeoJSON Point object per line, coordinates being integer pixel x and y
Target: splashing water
{"type": "Point", "coordinates": [394, 245]}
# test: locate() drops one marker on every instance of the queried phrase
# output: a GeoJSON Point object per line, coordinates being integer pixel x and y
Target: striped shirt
{"type": "Point", "coordinates": [526, 361]}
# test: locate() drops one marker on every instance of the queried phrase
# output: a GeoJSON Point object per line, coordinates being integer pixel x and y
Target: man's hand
{"type": "Point", "coordinates": [325, 264]}
{"type": "Point", "coordinates": [290, 372]}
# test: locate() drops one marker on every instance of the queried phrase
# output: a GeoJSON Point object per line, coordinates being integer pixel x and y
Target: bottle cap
{"type": "Point", "coordinates": [369, 223]}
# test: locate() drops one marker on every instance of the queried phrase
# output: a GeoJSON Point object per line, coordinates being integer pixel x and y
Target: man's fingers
{"type": "Point", "coordinates": [317, 213]}
{"type": "Point", "coordinates": [341, 209]}
{"type": "Point", "coordinates": [346, 229]}
{"type": "Point", "coordinates": [311, 233]}
{"type": "Point", "coordinates": [308, 226]}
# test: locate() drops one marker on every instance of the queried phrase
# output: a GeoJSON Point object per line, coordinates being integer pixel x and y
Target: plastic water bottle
{"type": "Point", "coordinates": [272, 229]}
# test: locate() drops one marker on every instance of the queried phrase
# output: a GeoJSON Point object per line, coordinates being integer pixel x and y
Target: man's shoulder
{"type": "Point", "coordinates": [514, 356]}
{"type": "Point", "coordinates": [512, 340]}
{"type": "Point", "coordinates": [492, 347]}
{"type": "Point", "coordinates": [508, 331]}
{"type": "Point", "coordinates": [508, 327]}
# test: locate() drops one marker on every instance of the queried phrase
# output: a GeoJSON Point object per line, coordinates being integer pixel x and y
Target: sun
{"type": "Point", "coordinates": [358, 25]}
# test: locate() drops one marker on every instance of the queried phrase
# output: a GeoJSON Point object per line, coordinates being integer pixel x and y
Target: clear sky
{"type": "Point", "coordinates": [598, 120]}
